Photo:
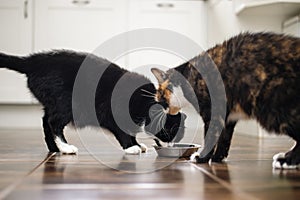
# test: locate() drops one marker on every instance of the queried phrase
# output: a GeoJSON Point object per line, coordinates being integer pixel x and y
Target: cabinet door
{"type": "Point", "coordinates": [184, 17]}
{"type": "Point", "coordinates": [78, 24]}
{"type": "Point", "coordinates": [292, 26]}
{"type": "Point", "coordinates": [15, 38]}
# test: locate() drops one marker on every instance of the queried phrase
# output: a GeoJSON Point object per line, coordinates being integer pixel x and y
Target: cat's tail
{"type": "Point", "coordinates": [15, 63]}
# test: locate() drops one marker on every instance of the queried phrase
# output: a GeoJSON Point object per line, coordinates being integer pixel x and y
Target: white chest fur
{"type": "Point", "coordinates": [177, 98]}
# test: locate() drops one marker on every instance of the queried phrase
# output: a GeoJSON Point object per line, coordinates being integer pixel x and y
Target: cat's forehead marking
{"type": "Point", "coordinates": [164, 85]}
{"type": "Point", "coordinates": [168, 94]}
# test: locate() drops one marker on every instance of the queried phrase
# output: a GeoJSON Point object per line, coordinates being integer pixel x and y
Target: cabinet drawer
{"type": "Point", "coordinates": [79, 4]}
{"type": "Point", "coordinates": [188, 18]}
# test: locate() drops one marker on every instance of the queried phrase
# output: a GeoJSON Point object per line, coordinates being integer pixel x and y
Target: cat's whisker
{"type": "Point", "coordinates": [162, 120]}
{"type": "Point", "coordinates": [155, 118]}
{"type": "Point", "coordinates": [157, 122]}
{"type": "Point", "coordinates": [147, 95]}
{"type": "Point", "coordinates": [165, 133]}
{"type": "Point", "coordinates": [148, 92]}
{"type": "Point", "coordinates": [157, 110]}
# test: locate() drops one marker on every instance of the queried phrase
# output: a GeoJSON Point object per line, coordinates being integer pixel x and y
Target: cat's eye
{"type": "Point", "coordinates": [161, 93]}
{"type": "Point", "coordinates": [170, 87]}
{"type": "Point", "coordinates": [161, 96]}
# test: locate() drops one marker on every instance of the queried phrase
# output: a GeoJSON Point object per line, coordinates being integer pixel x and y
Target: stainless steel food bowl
{"type": "Point", "coordinates": [177, 150]}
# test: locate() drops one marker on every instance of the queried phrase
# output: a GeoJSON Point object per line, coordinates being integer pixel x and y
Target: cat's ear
{"type": "Point", "coordinates": [160, 75]}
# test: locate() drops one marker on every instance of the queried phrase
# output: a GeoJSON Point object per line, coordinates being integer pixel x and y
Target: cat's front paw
{"type": "Point", "coordinates": [143, 148]}
{"type": "Point", "coordinates": [65, 148]}
{"type": "Point", "coordinates": [282, 161]}
{"type": "Point", "coordinates": [195, 157]}
{"type": "Point", "coordinates": [68, 149]}
{"type": "Point", "coordinates": [218, 158]}
{"type": "Point", "coordinates": [134, 150]}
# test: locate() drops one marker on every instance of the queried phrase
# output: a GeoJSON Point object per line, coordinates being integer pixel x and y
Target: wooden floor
{"type": "Point", "coordinates": [27, 171]}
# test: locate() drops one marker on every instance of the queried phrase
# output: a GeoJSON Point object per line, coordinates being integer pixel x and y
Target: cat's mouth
{"type": "Point", "coordinates": [171, 110]}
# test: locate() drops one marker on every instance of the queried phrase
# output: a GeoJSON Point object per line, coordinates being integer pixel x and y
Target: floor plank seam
{"type": "Point", "coordinates": [225, 184]}
{"type": "Point", "coordinates": [111, 186]}
{"type": "Point", "coordinates": [9, 189]}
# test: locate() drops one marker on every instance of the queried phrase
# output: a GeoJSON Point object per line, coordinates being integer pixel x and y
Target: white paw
{"type": "Point", "coordinates": [69, 149]}
{"type": "Point", "coordinates": [134, 150]}
{"type": "Point", "coordinates": [143, 148]}
{"type": "Point", "coordinates": [64, 147]}
{"type": "Point", "coordinates": [279, 165]}
{"type": "Point", "coordinates": [193, 156]}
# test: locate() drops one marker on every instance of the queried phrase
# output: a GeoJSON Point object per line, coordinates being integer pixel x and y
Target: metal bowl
{"type": "Point", "coordinates": [178, 150]}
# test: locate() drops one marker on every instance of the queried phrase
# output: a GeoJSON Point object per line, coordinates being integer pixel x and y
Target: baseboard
{"type": "Point", "coordinates": [21, 116]}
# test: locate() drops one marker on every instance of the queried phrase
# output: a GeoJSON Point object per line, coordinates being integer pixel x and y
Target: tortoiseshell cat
{"type": "Point", "coordinates": [51, 78]}
{"type": "Point", "coordinates": [261, 76]}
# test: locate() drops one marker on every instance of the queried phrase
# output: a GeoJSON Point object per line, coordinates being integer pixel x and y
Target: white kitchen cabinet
{"type": "Point", "coordinates": [188, 18]}
{"type": "Point", "coordinates": [15, 38]}
{"type": "Point", "coordinates": [38, 25]}
{"type": "Point", "coordinates": [266, 7]}
{"type": "Point", "coordinates": [78, 24]}
{"type": "Point", "coordinates": [292, 26]}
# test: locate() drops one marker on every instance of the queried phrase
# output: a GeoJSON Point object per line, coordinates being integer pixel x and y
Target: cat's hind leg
{"type": "Point", "coordinates": [57, 126]}
{"type": "Point", "coordinates": [49, 137]}
{"type": "Point", "coordinates": [289, 160]}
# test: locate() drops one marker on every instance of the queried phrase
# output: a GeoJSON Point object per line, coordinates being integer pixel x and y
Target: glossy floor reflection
{"type": "Point", "coordinates": [28, 172]}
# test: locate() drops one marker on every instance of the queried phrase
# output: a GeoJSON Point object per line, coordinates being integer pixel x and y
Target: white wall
{"type": "Point", "coordinates": [21, 116]}
{"type": "Point", "coordinates": [223, 23]}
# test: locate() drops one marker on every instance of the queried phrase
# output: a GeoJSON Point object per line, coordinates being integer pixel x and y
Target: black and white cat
{"type": "Point", "coordinates": [51, 78]}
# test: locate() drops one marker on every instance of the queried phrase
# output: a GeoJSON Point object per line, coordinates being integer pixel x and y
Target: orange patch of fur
{"type": "Point", "coordinates": [164, 85]}
{"type": "Point", "coordinates": [167, 95]}
{"type": "Point", "coordinates": [173, 110]}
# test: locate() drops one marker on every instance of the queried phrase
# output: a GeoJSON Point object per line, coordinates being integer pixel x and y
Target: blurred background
{"type": "Point", "coordinates": [29, 26]}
